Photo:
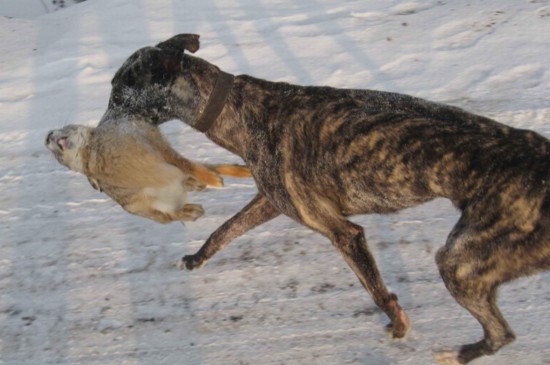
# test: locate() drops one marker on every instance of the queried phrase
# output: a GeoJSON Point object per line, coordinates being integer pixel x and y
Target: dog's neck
{"type": "Point", "coordinates": [216, 102]}
{"type": "Point", "coordinates": [229, 130]}
{"type": "Point", "coordinates": [224, 129]}
{"type": "Point", "coordinates": [242, 109]}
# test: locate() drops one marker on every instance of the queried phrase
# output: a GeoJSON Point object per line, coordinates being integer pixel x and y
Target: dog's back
{"type": "Point", "coordinates": [378, 152]}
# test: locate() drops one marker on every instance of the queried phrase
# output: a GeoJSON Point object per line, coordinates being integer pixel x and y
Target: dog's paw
{"type": "Point", "coordinates": [446, 356]}
{"type": "Point", "coordinates": [190, 262]}
{"type": "Point", "coordinates": [396, 332]}
{"type": "Point", "coordinates": [401, 324]}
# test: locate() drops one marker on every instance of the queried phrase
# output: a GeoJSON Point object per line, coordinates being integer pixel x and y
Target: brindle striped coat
{"type": "Point", "coordinates": [320, 154]}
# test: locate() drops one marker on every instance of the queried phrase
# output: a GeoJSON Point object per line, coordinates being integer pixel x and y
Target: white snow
{"type": "Point", "coordinates": [83, 282]}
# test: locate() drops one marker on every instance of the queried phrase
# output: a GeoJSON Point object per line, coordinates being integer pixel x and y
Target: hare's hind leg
{"type": "Point", "coordinates": [201, 173]}
{"type": "Point", "coordinates": [189, 212]}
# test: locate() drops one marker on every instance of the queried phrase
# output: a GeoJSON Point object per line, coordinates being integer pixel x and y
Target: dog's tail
{"type": "Point", "coordinates": [231, 170]}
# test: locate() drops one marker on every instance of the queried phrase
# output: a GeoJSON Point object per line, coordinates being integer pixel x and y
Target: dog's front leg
{"type": "Point", "coordinates": [322, 215]}
{"type": "Point", "coordinates": [258, 211]}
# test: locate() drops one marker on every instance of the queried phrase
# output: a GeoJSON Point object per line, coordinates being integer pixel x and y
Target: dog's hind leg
{"type": "Point", "coordinates": [472, 271]}
{"type": "Point", "coordinates": [497, 331]}
{"type": "Point", "coordinates": [257, 212]}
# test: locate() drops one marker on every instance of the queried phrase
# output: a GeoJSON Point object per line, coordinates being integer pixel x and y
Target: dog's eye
{"type": "Point", "coordinates": [116, 99]}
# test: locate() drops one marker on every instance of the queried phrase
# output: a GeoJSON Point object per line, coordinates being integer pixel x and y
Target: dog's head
{"type": "Point", "coordinates": [67, 144]}
{"type": "Point", "coordinates": [155, 83]}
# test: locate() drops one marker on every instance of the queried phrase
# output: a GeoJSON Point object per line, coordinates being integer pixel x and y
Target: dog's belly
{"type": "Point", "coordinates": [367, 191]}
{"type": "Point", "coordinates": [367, 202]}
{"type": "Point", "coordinates": [291, 188]}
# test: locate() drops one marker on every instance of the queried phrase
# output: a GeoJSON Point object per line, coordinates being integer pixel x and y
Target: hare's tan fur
{"type": "Point", "coordinates": [136, 166]}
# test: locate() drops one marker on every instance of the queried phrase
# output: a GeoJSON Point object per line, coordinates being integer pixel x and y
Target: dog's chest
{"type": "Point", "coordinates": [269, 173]}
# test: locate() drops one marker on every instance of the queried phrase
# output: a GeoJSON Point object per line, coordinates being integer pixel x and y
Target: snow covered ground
{"type": "Point", "coordinates": [83, 282]}
{"type": "Point", "coordinates": [32, 8]}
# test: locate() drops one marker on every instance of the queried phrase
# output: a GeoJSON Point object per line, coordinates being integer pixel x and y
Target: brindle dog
{"type": "Point", "coordinates": [320, 155]}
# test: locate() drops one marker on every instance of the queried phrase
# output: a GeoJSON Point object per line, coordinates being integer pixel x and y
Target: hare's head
{"type": "Point", "coordinates": [66, 145]}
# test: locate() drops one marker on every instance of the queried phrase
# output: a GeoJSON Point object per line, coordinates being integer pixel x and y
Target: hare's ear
{"type": "Point", "coordinates": [95, 184]}
{"type": "Point", "coordinates": [181, 42]}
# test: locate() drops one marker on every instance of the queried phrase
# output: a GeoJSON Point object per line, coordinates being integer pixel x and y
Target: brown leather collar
{"type": "Point", "coordinates": [215, 103]}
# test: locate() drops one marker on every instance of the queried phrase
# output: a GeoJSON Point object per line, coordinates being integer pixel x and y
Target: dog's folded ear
{"type": "Point", "coordinates": [180, 42]}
